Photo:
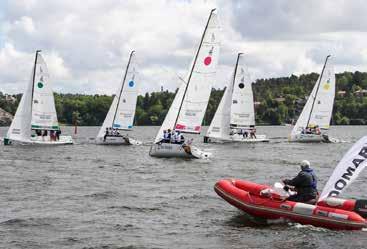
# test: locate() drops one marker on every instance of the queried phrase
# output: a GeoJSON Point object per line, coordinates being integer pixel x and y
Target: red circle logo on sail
{"type": "Point", "coordinates": [207, 60]}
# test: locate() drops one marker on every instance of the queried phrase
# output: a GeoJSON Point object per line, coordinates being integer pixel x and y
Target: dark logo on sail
{"type": "Point", "coordinates": [343, 181]}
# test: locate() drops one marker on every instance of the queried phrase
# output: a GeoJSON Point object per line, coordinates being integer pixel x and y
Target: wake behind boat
{"type": "Point", "coordinates": [188, 107]}
{"type": "Point", "coordinates": [120, 116]}
{"type": "Point", "coordinates": [314, 121]}
{"type": "Point", "coordinates": [234, 120]}
{"type": "Point", "coordinates": [35, 121]}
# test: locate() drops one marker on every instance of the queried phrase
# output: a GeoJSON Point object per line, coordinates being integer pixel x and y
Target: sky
{"type": "Point", "coordinates": [86, 44]}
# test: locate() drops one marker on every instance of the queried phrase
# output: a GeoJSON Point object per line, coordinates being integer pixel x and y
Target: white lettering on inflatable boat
{"type": "Point", "coordinates": [345, 178]}
{"type": "Point", "coordinates": [338, 216]}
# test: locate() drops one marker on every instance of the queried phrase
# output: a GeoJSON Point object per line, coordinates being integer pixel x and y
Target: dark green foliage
{"type": "Point", "coordinates": [280, 100]}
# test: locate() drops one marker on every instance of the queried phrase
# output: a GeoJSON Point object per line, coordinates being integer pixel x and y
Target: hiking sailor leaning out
{"type": "Point", "coordinates": [305, 184]}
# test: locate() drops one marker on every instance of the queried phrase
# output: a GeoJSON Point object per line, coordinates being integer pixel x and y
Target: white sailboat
{"type": "Point", "coordinates": [120, 116]}
{"type": "Point", "coordinates": [314, 121]}
{"type": "Point", "coordinates": [35, 121]}
{"type": "Point", "coordinates": [188, 107]}
{"type": "Point", "coordinates": [234, 120]}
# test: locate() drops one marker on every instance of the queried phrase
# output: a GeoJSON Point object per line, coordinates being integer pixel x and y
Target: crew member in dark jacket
{"type": "Point", "coordinates": [305, 184]}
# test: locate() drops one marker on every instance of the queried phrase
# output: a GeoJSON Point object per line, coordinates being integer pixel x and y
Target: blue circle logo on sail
{"type": "Point", "coordinates": [131, 83]}
{"type": "Point", "coordinates": [40, 85]}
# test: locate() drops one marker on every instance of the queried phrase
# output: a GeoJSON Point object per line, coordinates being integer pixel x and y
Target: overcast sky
{"type": "Point", "coordinates": [86, 44]}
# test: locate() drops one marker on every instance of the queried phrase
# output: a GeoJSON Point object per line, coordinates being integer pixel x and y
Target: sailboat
{"type": "Point", "coordinates": [188, 107]}
{"type": "Point", "coordinates": [234, 120]}
{"type": "Point", "coordinates": [35, 121]}
{"type": "Point", "coordinates": [120, 116]}
{"type": "Point", "coordinates": [314, 121]}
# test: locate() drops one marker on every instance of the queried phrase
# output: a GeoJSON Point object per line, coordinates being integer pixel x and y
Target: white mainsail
{"type": "Point", "coordinates": [20, 128]}
{"type": "Point", "coordinates": [188, 107]}
{"type": "Point", "coordinates": [122, 110]}
{"type": "Point", "coordinates": [43, 104]}
{"type": "Point", "coordinates": [200, 80]}
{"type": "Point", "coordinates": [319, 106]}
{"type": "Point", "coordinates": [242, 108]}
{"type": "Point", "coordinates": [347, 170]}
{"type": "Point", "coordinates": [220, 125]}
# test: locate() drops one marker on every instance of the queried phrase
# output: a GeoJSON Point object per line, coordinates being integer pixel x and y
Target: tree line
{"type": "Point", "coordinates": [278, 101]}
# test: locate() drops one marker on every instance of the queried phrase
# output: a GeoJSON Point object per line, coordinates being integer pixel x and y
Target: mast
{"type": "Point", "coordinates": [33, 78]}
{"type": "Point", "coordinates": [193, 66]}
{"type": "Point", "coordinates": [235, 69]}
{"type": "Point", "coordinates": [317, 90]}
{"type": "Point", "coordinates": [122, 87]}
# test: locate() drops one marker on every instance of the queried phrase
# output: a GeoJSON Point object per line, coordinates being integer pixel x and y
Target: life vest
{"type": "Point", "coordinates": [313, 176]}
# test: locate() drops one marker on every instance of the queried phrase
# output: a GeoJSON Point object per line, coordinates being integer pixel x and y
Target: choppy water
{"type": "Point", "coordinates": [90, 196]}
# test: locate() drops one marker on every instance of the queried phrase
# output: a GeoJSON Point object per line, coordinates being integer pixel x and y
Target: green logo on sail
{"type": "Point", "coordinates": [40, 84]}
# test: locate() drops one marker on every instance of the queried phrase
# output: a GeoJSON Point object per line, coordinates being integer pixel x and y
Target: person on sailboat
{"type": "Point", "coordinates": [58, 133]}
{"type": "Point", "coordinates": [106, 134]}
{"type": "Point", "coordinates": [165, 137]}
{"type": "Point", "coordinates": [317, 130]}
{"type": "Point", "coordinates": [169, 136]}
{"type": "Point", "coordinates": [174, 137]}
{"type": "Point", "coordinates": [245, 133]}
{"type": "Point", "coordinates": [44, 134]}
{"type": "Point", "coordinates": [305, 184]}
{"type": "Point", "coordinates": [52, 135]}
{"type": "Point", "coordinates": [252, 131]}
{"type": "Point", "coordinates": [179, 138]}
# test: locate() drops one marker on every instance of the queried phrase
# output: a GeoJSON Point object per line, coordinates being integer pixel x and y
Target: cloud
{"type": "Point", "coordinates": [86, 45]}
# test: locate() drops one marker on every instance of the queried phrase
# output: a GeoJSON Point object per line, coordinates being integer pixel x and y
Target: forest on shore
{"type": "Point", "coordinates": [277, 101]}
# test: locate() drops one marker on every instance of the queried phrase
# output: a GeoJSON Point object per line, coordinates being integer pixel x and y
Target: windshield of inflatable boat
{"type": "Point", "coordinates": [279, 189]}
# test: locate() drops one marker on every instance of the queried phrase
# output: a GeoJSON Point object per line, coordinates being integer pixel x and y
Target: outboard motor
{"type": "Point", "coordinates": [361, 208]}
{"type": "Point", "coordinates": [325, 138]}
{"type": "Point", "coordinates": [7, 141]}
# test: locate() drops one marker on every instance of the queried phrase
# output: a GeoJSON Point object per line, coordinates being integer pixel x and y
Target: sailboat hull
{"type": "Point", "coordinates": [117, 140]}
{"type": "Point", "coordinates": [39, 140]}
{"type": "Point", "coordinates": [309, 138]}
{"type": "Point", "coordinates": [238, 139]}
{"type": "Point", "coordinates": [177, 150]}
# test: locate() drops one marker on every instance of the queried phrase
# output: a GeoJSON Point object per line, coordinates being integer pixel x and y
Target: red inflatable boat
{"type": "Point", "coordinates": [264, 202]}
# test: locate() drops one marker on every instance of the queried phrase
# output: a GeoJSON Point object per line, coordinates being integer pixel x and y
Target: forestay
{"type": "Point", "coordinates": [200, 80]}
{"type": "Point", "coordinates": [319, 106]}
{"type": "Point", "coordinates": [43, 104]}
{"type": "Point", "coordinates": [353, 162]}
{"type": "Point", "coordinates": [122, 110]}
{"type": "Point", "coordinates": [242, 109]}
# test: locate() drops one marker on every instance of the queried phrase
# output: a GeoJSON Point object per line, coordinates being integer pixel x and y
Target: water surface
{"type": "Point", "coordinates": [93, 196]}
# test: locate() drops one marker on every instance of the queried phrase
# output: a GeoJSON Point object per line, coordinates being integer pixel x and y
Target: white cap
{"type": "Point", "coordinates": [305, 164]}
